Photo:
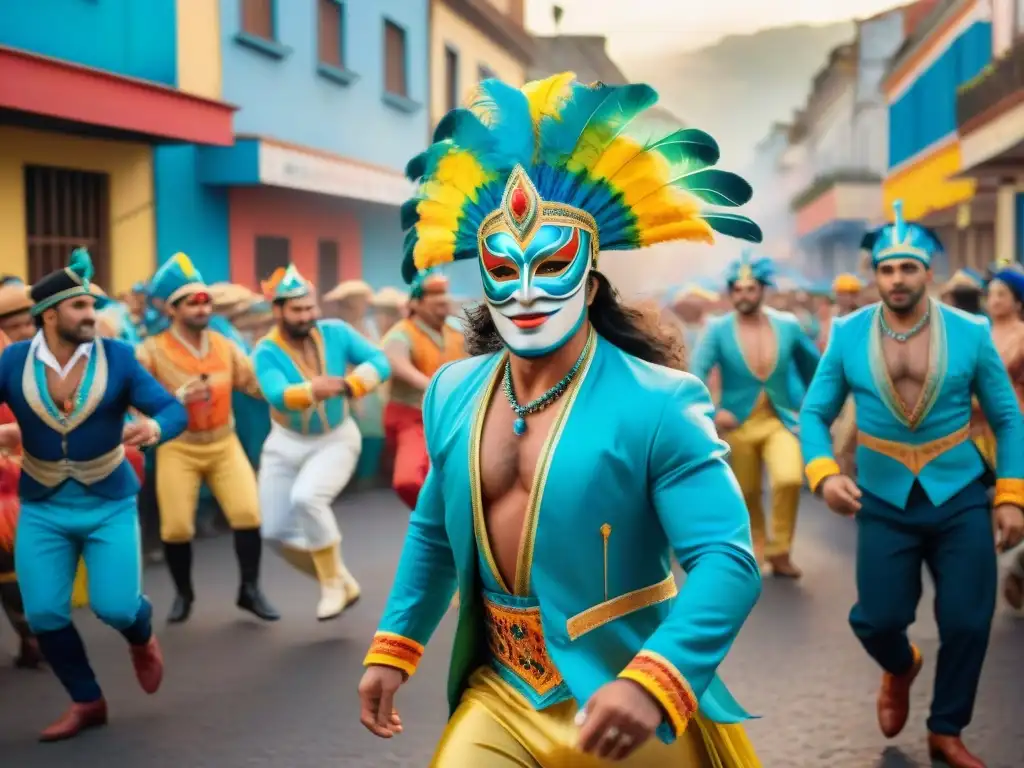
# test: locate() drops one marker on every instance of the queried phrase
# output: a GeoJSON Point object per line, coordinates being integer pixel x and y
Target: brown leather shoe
{"type": "Point", "coordinates": [951, 751]}
{"type": "Point", "coordinates": [148, 661]}
{"type": "Point", "coordinates": [894, 698]}
{"type": "Point", "coordinates": [783, 567]}
{"type": "Point", "coordinates": [78, 718]}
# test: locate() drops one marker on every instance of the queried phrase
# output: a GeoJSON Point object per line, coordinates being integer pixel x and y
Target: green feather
{"type": "Point", "coordinates": [81, 264]}
{"type": "Point", "coordinates": [716, 187]}
{"type": "Point", "coordinates": [610, 119]}
{"type": "Point", "coordinates": [686, 151]}
{"type": "Point", "coordinates": [734, 225]}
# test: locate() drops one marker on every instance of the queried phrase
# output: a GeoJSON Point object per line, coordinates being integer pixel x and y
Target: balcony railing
{"type": "Point", "coordinates": [825, 182]}
{"type": "Point", "coordinates": [1001, 81]}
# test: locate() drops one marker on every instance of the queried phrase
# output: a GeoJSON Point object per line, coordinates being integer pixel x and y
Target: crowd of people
{"type": "Point", "coordinates": [550, 406]}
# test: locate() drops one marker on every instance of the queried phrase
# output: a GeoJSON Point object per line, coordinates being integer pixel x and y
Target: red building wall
{"type": "Point", "coordinates": [303, 218]}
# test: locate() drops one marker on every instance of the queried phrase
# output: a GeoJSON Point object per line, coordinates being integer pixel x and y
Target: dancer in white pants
{"type": "Point", "coordinates": [314, 445]}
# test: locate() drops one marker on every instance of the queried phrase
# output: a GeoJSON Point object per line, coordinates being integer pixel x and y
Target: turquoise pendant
{"type": "Point", "coordinates": [519, 426]}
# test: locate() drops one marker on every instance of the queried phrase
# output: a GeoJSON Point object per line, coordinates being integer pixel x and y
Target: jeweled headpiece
{"type": "Point", "coordinates": [750, 267]}
{"type": "Point", "coordinates": [901, 240]}
{"type": "Point", "coordinates": [561, 152]}
{"type": "Point", "coordinates": [285, 283]}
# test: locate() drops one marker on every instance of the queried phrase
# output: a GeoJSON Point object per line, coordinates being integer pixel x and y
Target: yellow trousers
{"type": "Point", "coordinates": [495, 727]}
{"type": "Point", "coordinates": [181, 469]}
{"type": "Point", "coordinates": [761, 443]}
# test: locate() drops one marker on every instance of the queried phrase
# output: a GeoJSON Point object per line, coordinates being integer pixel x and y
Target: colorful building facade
{"type": "Point", "coordinates": [952, 45]}
{"type": "Point", "coordinates": [333, 101]}
{"type": "Point", "coordinates": [990, 120]}
{"type": "Point", "coordinates": [89, 92]}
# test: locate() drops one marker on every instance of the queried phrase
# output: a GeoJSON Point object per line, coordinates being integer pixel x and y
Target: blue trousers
{"type": "Point", "coordinates": [955, 542]}
{"type": "Point", "coordinates": [53, 533]}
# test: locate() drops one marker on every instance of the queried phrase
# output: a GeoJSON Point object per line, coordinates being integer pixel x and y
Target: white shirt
{"type": "Point", "coordinates": [42, 351]}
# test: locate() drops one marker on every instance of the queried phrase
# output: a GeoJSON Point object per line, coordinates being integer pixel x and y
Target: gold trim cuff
{"type": "Point", "coordinates": [1009, 491]}
{"type": "Point", "coordinates": [656, 675]}
{"type": "Point", "coordinates": [391, 650]}
{"type": "Point", "coordinates": [819, 469]}
{"type": "Point", "coordinates": [298, 397]}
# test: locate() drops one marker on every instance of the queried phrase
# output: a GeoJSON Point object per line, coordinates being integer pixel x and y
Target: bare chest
{"type": "Point", "coordinates": [64, 391]}
{"type": "Point", "coordinates": [907, 362]}
{"type": "Point", "coordinates": [759, 346]}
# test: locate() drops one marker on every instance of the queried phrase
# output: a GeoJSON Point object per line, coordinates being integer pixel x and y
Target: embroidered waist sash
{"type": "Point", "coordinates": [53, 473]}
{"type": "Point", "coordinates": [518, 652]}
{"type": "Point", "coordinates": [914, 457]}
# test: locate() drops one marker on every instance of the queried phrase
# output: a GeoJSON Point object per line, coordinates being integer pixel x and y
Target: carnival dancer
{"type": "Point", "coordinates": [16, 312]}
{"type": "Point", "coordinates": [314, 443]}
{"type": "Point", "coordinates": [416, 347]}
{"type": "Point", "coordinates": [756, 349]}
{"type": "Point", "coordinates": [919, 498]}
{"type": "Point", "coordinates": [70, 393]}
{"type": "Point", "coordinates": [202, 369]}
{"type": "Point", "coordinates": [589, 649]}
{"type": "Point", "coordinates": [846, 289]}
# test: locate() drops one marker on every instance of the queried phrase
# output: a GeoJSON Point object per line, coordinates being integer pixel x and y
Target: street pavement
{"type": "Point", "coordinates": [240, 694]}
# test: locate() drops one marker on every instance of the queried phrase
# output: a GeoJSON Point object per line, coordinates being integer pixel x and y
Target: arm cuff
{"type": "Point", "coordinates": [656, 675]}
{"type": "Point", "coordinates": [818, 469]}
{"type": "Point", "coordinates": [356, 386]}
{"type": "Point", "coordinates": [391, 650]}
{"type": "Point", "coordinates": [298, 397]}
{"type": "Point", "coordinates": [1009, 491]}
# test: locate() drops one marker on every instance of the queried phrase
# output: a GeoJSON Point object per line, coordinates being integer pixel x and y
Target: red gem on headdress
{"type": "Point", "coordinates": [518, 203]}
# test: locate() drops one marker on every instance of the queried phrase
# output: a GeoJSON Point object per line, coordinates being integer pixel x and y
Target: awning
{"type": "Point", "coordinates": [51, 93]}
{"type": "Point", "coordinates": [258, 160]}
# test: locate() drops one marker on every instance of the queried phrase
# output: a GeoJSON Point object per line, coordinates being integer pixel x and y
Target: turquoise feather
{"type": "Point", "coordinates": [611, 118]}
{"type": "Point", "coordinates": [81, 264]}
{"type": "Point", "coordinates": [716, 187]}
{"type": "Point", "coordinates": [558, 138]}
{"type": "Point", "coordinates": [687, 150]}
{"type": "Point", "coordinates": [505, 111]}
{"type": "Point", "coordinates": [734, 225]}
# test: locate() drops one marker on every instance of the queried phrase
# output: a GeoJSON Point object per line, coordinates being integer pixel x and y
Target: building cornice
{"type": "Point", "coordinates": [498, 27]}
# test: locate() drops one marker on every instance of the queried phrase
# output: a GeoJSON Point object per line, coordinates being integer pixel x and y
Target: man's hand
{"type": "Point", "coordinates": [326, 387]}
{"type": "Point", "coordinates": [725, 421]}
{"type": "Point", "coordinates": [841, 494]}
{"type": "Point", "coordinates": [617, 720]}
{"type": "Point", "coordinates": [1009, 526]}
{"type": "Point", "coordinates": [197, 390]}
{"type": "Point", "coordinates": [377, 700]}
{"type": "Point", "coordinates": [141, 433]}
{"type": "Point", "coordinates": [10, 437]}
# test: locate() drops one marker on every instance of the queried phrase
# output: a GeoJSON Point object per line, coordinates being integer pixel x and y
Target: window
{"type": "Point", "coordinates": [258, 18]}
{"type": "Point", "coordinates": [484, 72]}
{"type": "Point", "coordinates": [271, 253]}
{"type": "Point", "coordinates": [64, 210]}
{"type": "Point", "coordinates": [332, 32]}
{"type": "Point", "coordinates": [326, 266]}
{"type": "Point", "coordinates": [395, 65]}
{"type": "Point", "coordinates": [451, 78]}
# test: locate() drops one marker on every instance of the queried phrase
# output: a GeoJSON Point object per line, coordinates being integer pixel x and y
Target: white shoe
{"type": "Point", "coordinates": [352, 591]}
{"type": "Point", "coordinates": [333, 601]}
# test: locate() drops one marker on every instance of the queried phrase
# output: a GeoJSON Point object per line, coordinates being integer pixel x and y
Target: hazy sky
{"type": "Point", "coordinates": [638, 27]}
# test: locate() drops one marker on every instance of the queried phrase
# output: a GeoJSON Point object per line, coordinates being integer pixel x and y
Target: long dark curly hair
{"type": "Point", "coordinates": [636, 330]}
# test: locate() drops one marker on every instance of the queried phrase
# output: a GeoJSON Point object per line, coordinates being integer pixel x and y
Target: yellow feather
{"type": "Point", "coordinates": [547, 96]}
{"type": "Point", "coordinates": [435, 246]}
{"type": "Point", "coordinates": [694, 230]}
{"type": "Point", "coordinates": [617, 155]}
{"type": "Point", "coordinates": [437, 214]}
{"type": "Point", "coordinates": [460, 170]}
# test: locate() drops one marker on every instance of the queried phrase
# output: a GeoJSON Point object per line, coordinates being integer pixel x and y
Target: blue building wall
{"type": "Point", "coordinates": [288, 99]}
{"type": "Point", "coordinates": [926, 111]}
{"type": "Point", "coordinates": [136, 38]}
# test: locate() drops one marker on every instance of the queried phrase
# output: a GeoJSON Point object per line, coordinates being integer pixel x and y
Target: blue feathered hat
{"type": "Point", "coordinates": [561, 152]}
{"type": "Point", "coordinates": [68, 283]}
{"type": "Point", "coordinates": [286, 283]}
{"type": "Point", "coordinates": [176, 279]}
{"type": "Point", "coordinates": [902, 240]}
{"type": "Point", "coordinates": [751, 267]}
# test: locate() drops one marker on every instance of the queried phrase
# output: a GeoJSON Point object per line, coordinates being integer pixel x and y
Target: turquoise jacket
{"type": "Point", "coordinates": [286, 382]}
{"type": "Point", "coordinates": [634, 453]}
{"type": "Point", "coordinates": [741, 387]}
{"type": "Point", "coordinates": [854, 363]}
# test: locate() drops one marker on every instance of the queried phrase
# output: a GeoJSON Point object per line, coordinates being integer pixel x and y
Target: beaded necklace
{"type": "Point", "coordinates": [546, 399]}
{"type": "Point", "coordinates": [905, 336]}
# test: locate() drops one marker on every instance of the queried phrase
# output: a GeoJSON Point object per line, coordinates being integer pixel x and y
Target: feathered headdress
{"type": "Point", "coordinates": [750, 267]}
{"type": "Point", "coordinates": [427, 281]}
{"type": "Point", "coordinates": [176, 279]}
{"type": "Point", "coordinates": [285, 283]}
{"type": "Point", "coordinates": [67, 283]}
{"type": "Point", "coordinates": [901, 240]}
{"type": "Point", "coordinates": [561, 152]}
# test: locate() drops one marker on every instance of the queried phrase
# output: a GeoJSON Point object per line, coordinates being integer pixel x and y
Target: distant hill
{"type": "Point", "coordinates": [737, 87]}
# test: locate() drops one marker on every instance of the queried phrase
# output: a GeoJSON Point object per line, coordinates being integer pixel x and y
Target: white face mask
{"type": "Point", "coordinates": [537, 295]}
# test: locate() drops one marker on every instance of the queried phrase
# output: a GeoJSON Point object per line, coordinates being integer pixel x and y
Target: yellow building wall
{"type": "Point", "coordinates": [448, 29]}
{"type": "Point", "coordinates": [199, 52]}
{"type": "Point", "coordinates": [132, 219]}
{"type": "Point", "coordinates": [925, 186]}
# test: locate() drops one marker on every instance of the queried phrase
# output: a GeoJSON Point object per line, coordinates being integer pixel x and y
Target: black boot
{"type": "Point", "coordinates": [248, 547]}
{"type": "Point", "coordinates": [179, 563]}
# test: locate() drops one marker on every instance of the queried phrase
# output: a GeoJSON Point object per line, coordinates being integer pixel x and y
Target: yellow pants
{"type": "Point", "coordinates": [759, 443]}
{"type": "Point", "coordinates": [80, 590]}
{"type": "Point", "coordinates": [181, 469]}
{"type": "Point", "coordinates": [495, 727]}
